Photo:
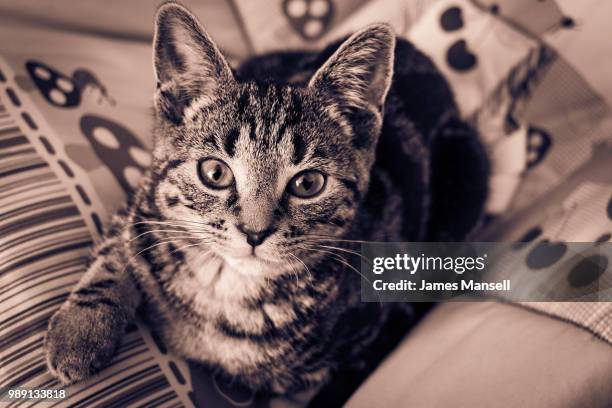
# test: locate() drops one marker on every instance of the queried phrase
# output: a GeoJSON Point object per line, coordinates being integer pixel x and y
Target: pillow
{"type": "Point", "coordinates": [487, 354]}
{"type": "Point", "coordinates": [73, 130]}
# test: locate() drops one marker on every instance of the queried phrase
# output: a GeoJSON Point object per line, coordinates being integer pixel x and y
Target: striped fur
{"type": "Point", "coordinates": [284, 315]}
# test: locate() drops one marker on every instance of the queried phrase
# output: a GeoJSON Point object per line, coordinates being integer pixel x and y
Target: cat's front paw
{"type": "Point", "coordinates": [81, 341]}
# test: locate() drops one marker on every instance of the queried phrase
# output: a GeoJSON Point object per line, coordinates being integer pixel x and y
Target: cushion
{"type": "Point", "coordinates": [488, 354]}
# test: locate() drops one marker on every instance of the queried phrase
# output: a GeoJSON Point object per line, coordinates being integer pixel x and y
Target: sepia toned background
{"type": "Point", "coordinates": [76, 88]}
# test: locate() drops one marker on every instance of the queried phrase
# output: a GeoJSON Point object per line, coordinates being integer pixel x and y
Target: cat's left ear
{"type": "Point", "coordinates": [188, 64]}
{"type": "Point", "coordinates": [359, 73]}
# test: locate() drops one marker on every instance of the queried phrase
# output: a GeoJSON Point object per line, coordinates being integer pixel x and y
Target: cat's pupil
{"type": "Point", "coordinates": [307, 183]}
{"type": "Point", "coordinates": [215, 173]}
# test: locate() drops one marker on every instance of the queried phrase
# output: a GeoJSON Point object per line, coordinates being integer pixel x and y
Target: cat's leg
{"type": "Point", "coordinates": [84, 333]}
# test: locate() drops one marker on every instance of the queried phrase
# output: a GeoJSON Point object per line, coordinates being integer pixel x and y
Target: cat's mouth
{"type": "Point", "coordinates": [254, 257]}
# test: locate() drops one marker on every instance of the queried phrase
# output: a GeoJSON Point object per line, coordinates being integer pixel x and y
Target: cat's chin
{"type": "Point", "coordinates": [252, 265]}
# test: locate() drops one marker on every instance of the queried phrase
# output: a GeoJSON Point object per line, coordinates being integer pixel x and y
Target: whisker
{"type": "Point", "coordinates": [202, 255]}
{"type": "Point", "coordinates": [368, 261]}
{"type": "Point", "coordinates": [143, 250]}
{"type": "Point", "coordinates": [343, 260]}
{"type": "Point", "coordinates": [187, 246]}
{"type": "Point", "coordinates": [158, 230]}
{"type": "Point", "coordinates": [302, 262]}
{"type": "Point", "coordinates": [297, 278]}
{"type": "Point", "coordinates": [195, 222]}
{"type": "Point", "coordinates": [332, 238]}
{"type": "Point", "coordinates": [179, 224]}
{"type": "Point", "coordinates": [169, 241]}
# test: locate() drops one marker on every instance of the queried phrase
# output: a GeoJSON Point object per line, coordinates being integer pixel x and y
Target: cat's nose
{"type": "Point", "coordinates": [254, 238]}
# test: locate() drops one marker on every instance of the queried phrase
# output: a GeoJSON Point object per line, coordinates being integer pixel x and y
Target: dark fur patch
{"type": "Point", "coordinates": [105, 250]}
{"type": "Point", "coordinates": [230, 141]}
{"type": "Point", "coordinates": [95, 304]}
{"type": "Point", "coordinates": [109, 267]}
{"type": "Point", "coordinates": [299, 148]}
{"type": "Point", "coordinates": [363, 126]}
{"type": "Point", "coordinates": [232, 198]}
{"type": "Point", "coordinates": [243, 103]}
{"type": "Point", "coordinates": [211, 141]}
{"type": "Point", "coordinates": [171, 107]}
{"type": "Point", "coordinates": [171, 201]}
{"type": "Point", "coordinates": [320, 153]}
{"type": "Point", "coordinates": [352, 186]}
{"type": "Point", "coordinates": [296, 108]}
{"type": "Point", "coordinates": [86, 292]}
{"type": "Point", "coordinates": [103, 284]}
{"type": "Point", "coordinates": [337, 221]}
{"type": "Point", "coordinates": [171, 54]}
{"type": "Point", "coordinates": [253, 129]}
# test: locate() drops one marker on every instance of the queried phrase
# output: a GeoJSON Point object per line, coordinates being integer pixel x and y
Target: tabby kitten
{"type": "Point", "coordinates": [240, 247]}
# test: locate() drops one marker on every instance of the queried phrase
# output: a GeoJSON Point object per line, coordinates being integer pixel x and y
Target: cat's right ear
{"type": "Point", "coordinates": [359, 73]}
{"type": "Point", "coordinates": [189, 68]}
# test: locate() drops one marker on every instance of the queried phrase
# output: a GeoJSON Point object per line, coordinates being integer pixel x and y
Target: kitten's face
{"type": "Point", "coordinates": [264, 176]}
{"type": "Point", "coordinates": [265, 172]}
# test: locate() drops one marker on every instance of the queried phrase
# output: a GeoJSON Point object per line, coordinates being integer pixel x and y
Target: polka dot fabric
{"type": "Point", "coordinates": [563, 242]}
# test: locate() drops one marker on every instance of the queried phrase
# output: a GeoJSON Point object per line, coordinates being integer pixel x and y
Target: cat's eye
{"type": "Point", "coordinates": [307, 184]}
{"type": "Point", "coordinates": [215, 174]}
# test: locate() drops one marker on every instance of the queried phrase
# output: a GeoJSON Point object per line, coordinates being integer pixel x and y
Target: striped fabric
{"type": "Point", "coordinates": [44, 247]}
